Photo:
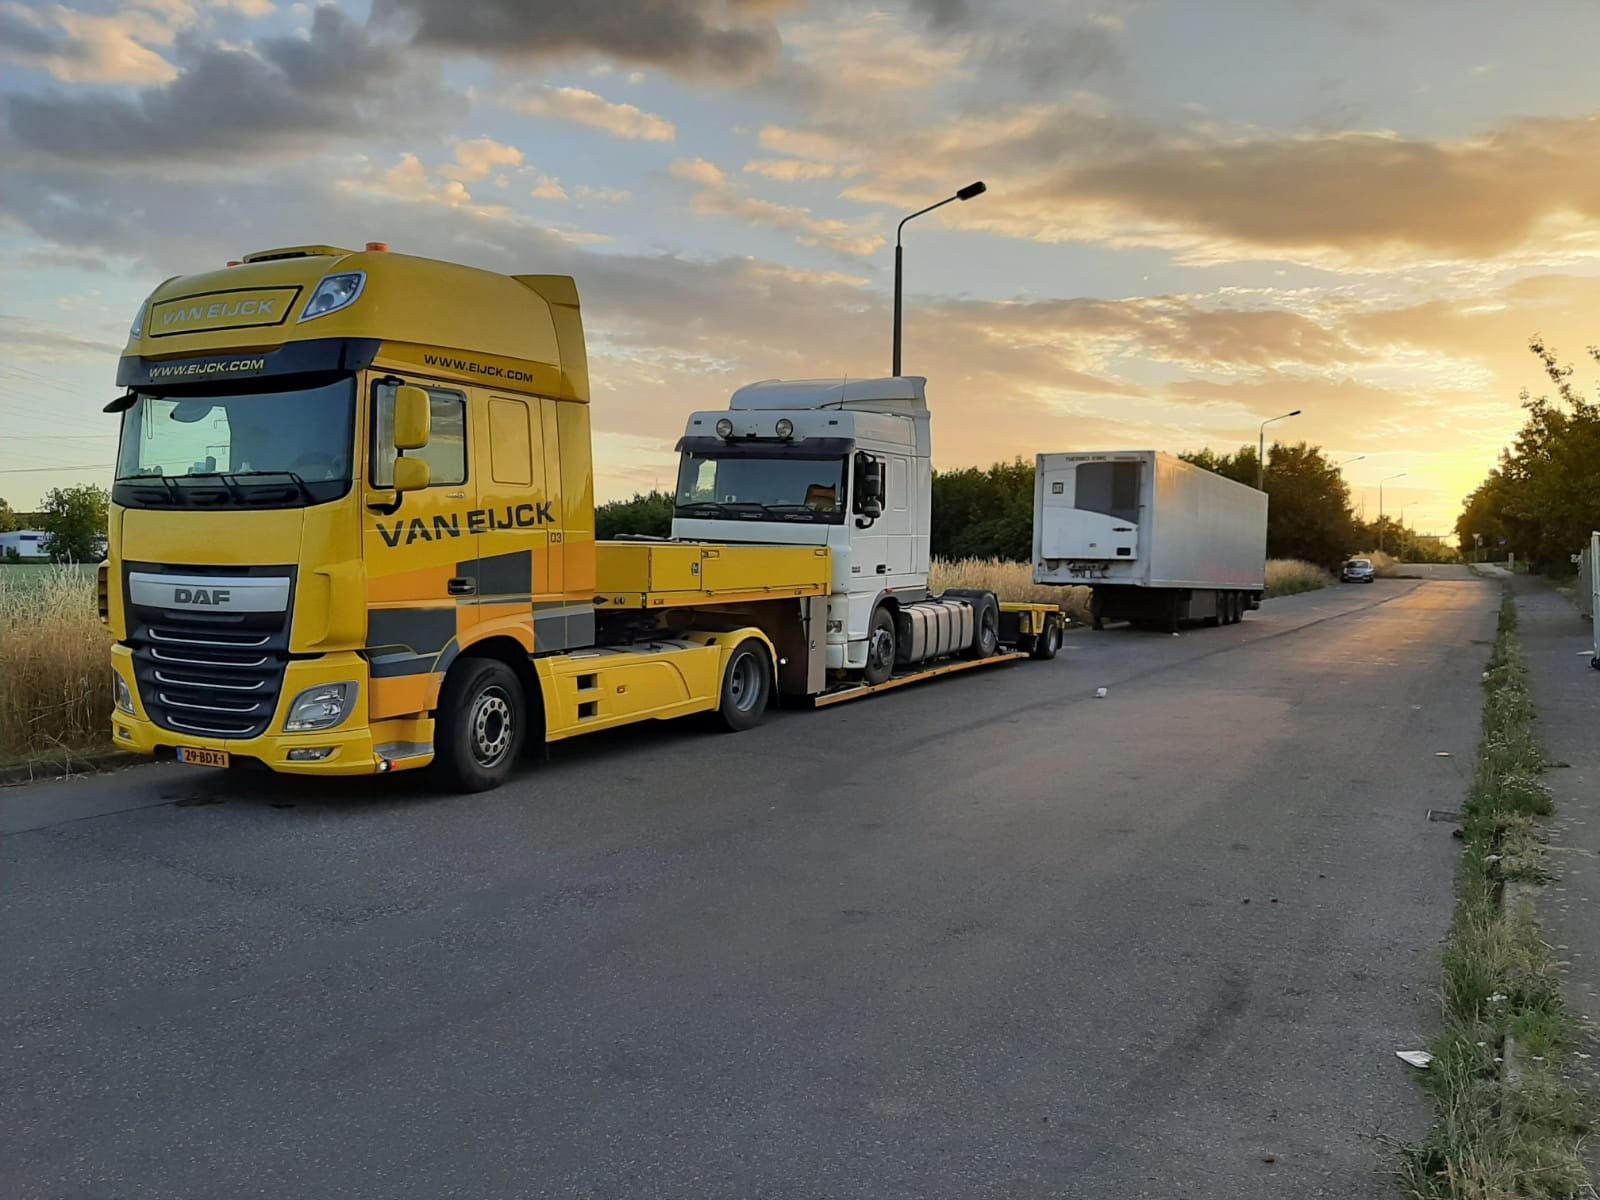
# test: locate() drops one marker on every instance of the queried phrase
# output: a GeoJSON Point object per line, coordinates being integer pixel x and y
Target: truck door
{"type": "Point", "coordinates": [899, 518]}
{"type": "Point", "coordinates": [516, 569]}
{"type": "Point", "coordinates": [421, 557]}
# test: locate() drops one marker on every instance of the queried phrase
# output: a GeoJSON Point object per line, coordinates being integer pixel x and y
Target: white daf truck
{"type": "Point", "coordinates": [846, 464]}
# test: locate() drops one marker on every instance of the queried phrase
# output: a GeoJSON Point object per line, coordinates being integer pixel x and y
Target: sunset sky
{"type": "Point", "coordinates": [1199, 214]}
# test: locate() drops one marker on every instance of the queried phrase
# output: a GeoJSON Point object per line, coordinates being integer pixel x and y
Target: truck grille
{"type": "Point", "coordinates": [222, 683]}
{"type": "Point", "coordinates": [212, 674]}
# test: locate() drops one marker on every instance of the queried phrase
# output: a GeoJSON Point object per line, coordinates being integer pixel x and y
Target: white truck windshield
{"type": "Point", "coordinates": [746, 488]}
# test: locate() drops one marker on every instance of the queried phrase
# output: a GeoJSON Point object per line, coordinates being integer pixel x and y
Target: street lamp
{"type": "Point", "coordinates": [1381, 482]}
{"type": "Point", "coordinates": [966, 193]}
{"type": "Point", "coordinates": [1261, 448]}
{"type": "Point", "coordinates": [1348, 461]}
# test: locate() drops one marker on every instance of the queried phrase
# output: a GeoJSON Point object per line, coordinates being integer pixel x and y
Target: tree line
{"type": "Point", "coordinates": [987, 512]}
{"type": "Point", "coordinates": [1543, 499]}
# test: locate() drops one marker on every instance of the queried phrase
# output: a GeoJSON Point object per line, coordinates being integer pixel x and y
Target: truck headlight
{"type": "Point", "coordinates": [121, 693]}
{"type": "Point", "coordinates": [333, 293]}
{"type": "Point", "coordinates": [724, 428]}
{"type": "Point", "coordinates": [784, 428]}
{"type": "Point", "coordinates": [320, 707]}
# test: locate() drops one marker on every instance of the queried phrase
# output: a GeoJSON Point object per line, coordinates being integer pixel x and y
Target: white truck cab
{"type": "Point", "coordinates": [820, 462]}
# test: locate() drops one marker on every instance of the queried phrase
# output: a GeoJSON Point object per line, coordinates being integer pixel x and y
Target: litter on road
{"type": "Point", "coordinates": [1417, 1058]}
{"type": "Point", "coordinates": [1099, 693]}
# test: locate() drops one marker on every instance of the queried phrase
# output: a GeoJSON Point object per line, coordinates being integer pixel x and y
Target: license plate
{"type": "Point", "coordinates": [196, 757]}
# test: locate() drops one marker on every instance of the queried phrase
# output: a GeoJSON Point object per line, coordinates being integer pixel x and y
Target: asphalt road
{"type": "Point", "coordinates": [985, 937]}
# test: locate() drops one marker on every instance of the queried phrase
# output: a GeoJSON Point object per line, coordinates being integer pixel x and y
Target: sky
{"type": "Point", "coordinates": [1198, 216]}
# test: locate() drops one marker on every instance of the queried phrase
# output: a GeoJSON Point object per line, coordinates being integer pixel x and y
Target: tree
{"type": "Point", "coordinates": [8, 519]}
{"type": "Point", "coordinates": [646, 513]}
{"type": "Point", "coordinates": [75, 519]}
{"type": "Point", "coordinates": [1308, 502]}
{"type": "Point", "coordinates": [1544, 497]}
{"type": "Point", "coordinates": [983, 513]}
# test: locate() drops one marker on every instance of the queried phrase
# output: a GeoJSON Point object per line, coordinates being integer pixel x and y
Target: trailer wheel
{"type": "Point", "coordinates": [1046, 644]}
{"type": "Point", "coordinates": [881, 646]}
{"type": "Point", "coordinates": [746, 687]}
{"type": "Point", "coordinates": [481, 722]}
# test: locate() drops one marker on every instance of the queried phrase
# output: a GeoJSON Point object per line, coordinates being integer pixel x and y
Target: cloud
{"type": "Point", "coordinates": [478, 158]}
{"type": "Point", "coordinates": [720, 198]}
{"type": "Point", "coordinates": [282, 94]}
{"type": "Point", "coordinates": [588, 108]}
{"type": "Point", "coordinates": [1349, 201]}
{"type": "Point", "coordinates": [77, 47]}
{"type": "Point", "coordinates": [790, 170]}
{"type": "Point", "coordinates": [711, 39]}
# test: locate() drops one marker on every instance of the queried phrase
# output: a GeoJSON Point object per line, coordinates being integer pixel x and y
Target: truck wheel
{"type": "Point", "coordinates": [1046, 644]}
{"type": "Point", "coordinates": [880, 646]}
{"type": "Point", "coordinates": [746, 686]}
{"type": "Point", "coordinates": [481, 722]}
{"type": "Point", "coordinates": [1224, 607]}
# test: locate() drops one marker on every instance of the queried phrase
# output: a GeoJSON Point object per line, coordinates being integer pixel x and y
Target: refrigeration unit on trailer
{"type": "Point", "coordinates": [1158, 540]}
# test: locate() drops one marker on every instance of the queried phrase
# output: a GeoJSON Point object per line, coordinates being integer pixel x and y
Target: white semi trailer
{"type": "Point", "coordinates": [1160, 541]}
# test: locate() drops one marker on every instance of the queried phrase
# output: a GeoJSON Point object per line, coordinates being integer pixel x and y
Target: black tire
{"type": "Point", "coordinates": [985, 621]}
{"type": "Point", "coordinates": [1223, 609]}
{"type": "Point", "coordinates": [480, 726]}
{"type": "Point", "coordinates": [746, 686]}
{"type": "Point", "coordinates": [1048, 643]}
{"type": "Point", "coordinates": [882, 643]}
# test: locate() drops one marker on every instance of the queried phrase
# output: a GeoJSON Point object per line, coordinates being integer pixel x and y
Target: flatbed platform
{"type": "Point", "coordinates": [857, 691]}
{"type": "Point", "coordinates": [659, 575]}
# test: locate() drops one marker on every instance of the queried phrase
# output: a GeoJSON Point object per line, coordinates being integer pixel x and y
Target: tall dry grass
{"type": "Point", "coordinates": [1287, 576]}
{"type": "Point", "coordinates": [1007, 580]}
{"type": "Point", "coordinates": [55, 666]}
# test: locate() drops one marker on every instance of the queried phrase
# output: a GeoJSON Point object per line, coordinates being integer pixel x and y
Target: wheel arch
{"type": "Point", "coordinates": [509, 650]}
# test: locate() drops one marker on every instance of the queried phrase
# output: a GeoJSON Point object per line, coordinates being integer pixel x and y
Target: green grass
{"type": "Point", "coordinates": [1497, 1137]}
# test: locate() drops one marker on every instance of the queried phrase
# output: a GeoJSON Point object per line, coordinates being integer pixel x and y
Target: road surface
{"type": "Point", "coordinates": [984, 937]}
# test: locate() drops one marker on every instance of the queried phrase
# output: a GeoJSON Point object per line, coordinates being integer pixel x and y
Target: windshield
{"type": "Point", "coordinates": [246, 449]}
{"type": "Point", "coordinates": [762, 489]}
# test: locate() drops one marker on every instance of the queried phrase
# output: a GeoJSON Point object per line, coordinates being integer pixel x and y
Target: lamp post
{"type": "Point", "coordinates": [966, 193]}
{"type": "Point", "coordinates": [1381, 482]}
{"type": "Point", "coordinates": [1261, 449]}
{"type": "Point", "coordinates": [1348, 461]}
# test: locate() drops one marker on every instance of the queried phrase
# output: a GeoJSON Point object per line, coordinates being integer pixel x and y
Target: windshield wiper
{"type": "Point", "coordinates": [704, 504]}
{"type": "Point", "coordinates": [300, 483]}
{"type": "Point", "coordinates": [166, 481]}
{"type": "Point", "coordinates": [795, 510]}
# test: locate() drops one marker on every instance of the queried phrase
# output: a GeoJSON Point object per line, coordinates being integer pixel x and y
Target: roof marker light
{"type": "Point", "coordinates": [378, 247]}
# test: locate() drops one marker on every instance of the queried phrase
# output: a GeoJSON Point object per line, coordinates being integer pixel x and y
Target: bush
{"type": "Point", "coordinates": [1286, 576]}
{"type": "Point", "coordinates": [1009, 581]}
{"type": "Point", "coordinates": [646, 513]}
{"type": "Point", "coordinates": [55, 665]}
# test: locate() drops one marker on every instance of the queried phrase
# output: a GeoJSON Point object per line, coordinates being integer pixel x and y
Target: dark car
{"type": "Point", "coordinates": [1359, 570]}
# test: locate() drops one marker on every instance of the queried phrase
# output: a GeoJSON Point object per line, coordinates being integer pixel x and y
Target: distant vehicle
{"type": "Point", "coordinates": [1359, 570]}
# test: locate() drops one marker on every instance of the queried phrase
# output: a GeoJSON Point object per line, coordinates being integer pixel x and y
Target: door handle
{"type": "Point", "coordinates": [462, 586]}
{"type": "Point", "coordinates": [883, 568]}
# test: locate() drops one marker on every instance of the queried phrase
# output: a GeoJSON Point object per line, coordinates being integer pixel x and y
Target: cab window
{"type": "Point", "coordinates": [446, 451]}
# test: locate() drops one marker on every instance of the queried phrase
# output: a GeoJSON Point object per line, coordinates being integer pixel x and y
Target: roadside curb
{"type": "Point", "coordinates": [79, 764]}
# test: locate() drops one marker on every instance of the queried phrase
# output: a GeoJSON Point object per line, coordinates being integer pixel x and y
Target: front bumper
{"type": "Point", "coordinates": [356, 746]}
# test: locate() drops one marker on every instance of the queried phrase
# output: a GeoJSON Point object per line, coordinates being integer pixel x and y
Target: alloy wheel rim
{"type": "Point", "coordinates": [491, 727]}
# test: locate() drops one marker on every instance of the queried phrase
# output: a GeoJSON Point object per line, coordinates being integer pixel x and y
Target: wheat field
{"type": "Point", "coordinates": [55, 665]}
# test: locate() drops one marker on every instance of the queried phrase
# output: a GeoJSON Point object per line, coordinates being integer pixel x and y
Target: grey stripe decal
{"type": "Point", "coordinates": [501, 574]}
{"type": "Point", "coordinates": [420, 630]}
{"type": "Point", "coordinates": [392, 666]}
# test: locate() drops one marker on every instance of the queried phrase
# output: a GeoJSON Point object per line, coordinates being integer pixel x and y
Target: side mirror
{"type": "Point", "coordinates": [871, 508]}
{"type": "Point", "coordinates": [872, 484]}
{"type": "Point", "coordinates": [411, 474]}
{"type": "Point", "coordinates": [413, 424]}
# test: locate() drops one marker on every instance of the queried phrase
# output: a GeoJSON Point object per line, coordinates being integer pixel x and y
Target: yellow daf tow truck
{"type": "Point", "coordinates": [352, 531]}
